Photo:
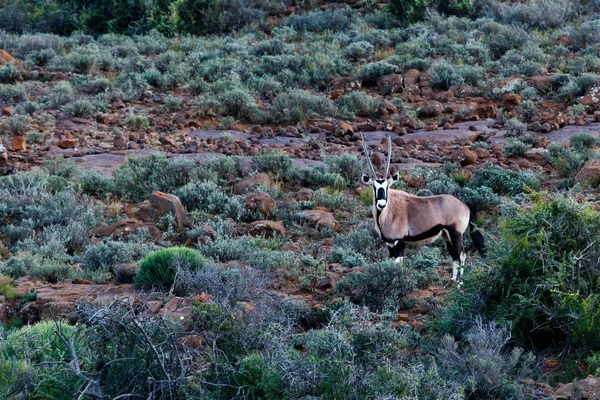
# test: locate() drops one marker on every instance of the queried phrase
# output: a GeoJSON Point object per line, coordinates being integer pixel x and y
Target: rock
{"type": "Point", "coordinates": [321, 219]}
{"type": "Point", "coordinates": [164, 204]}
{"type": "Point", "coordinates": [430, 109]}
{"type": "Point", "coordinates": [125, 273]}
{"type": "Point", "coordinates": [389, 84]}
{"type": "Point", "coordinates": [348, 83]}
{"type": "Point", "coordinates": [123, 229]}
{"type": "Point", "coordinates": [59, 310]}
{"type": "Point", "coordinates": [304, 194]}
{"type": "Point", "coordinates": [464, 156]}
{"type": "Point", "coordinates": [344, 129]}
{"type": "Point", "coordinates": [251, 183]}
{"type": "Point", "coordinates": [590, 173]}
{"type": "Point", "coordinates": [511, 100]}
{"type": "Point", "coordinates": [30, 313]}
{"type": "Point", "coordinates": [120, 142]}
{"type": "Point", "coordinates": [482, 153]}
{"type": "Point", "coordinates": [564, 40]}
{"type": "Point", "coordinates": [293, 247]}
{"type": "Point", "coordinates": [260, 202]}
{"type": "Point", "coordinates": [267, 228]}
{"type": "Point", "coordinates": [19, 143]}
{"type": "Point", "coordinates": [597, 116]}
{"type": "Point", "coordinates": [67, 143]}
{"type": "Point", "coordinates": [411, 77]}
{"type": "Point", "coordinates": [177, 308]}
{"type": "Point", "coordinates": [7, 111]}
{"type": "Point", "coordinates": [5, 57]}
{"type": "Point", "coordinates": [487, 111]}
{"type": "Point", "coordinates": [588, 388]}
{"type": "Point", "coordinates": [336, 94]}
{"type": "Point", "coordinates": [543, 83]}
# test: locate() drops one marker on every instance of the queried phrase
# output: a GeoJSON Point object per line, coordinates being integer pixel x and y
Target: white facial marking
{"type": "Point", "coordinates": [381, 204]}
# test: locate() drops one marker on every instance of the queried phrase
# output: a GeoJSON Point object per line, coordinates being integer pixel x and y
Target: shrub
{"type": "Point", "coordinates": [137, 122]}
{"type": "Point", "coordinates": [18, 125]}
{"type": "Point", "coordinates": [9, 74]}
{"type": "Point", "coordinates": [445, 75]}
{"type": "Point", "coordinates": [480, 198]}
{"type": "Point", "coordinates": [484, 364]}
{"type": "Point", "coordinates": [94, 183]}
{"type": "Point", "coordinates": [502, 181]}
{"type": "Point", "coordinates": [361, 50]}
{"type": "Point", "coordinates": [132, 86]}
{"type": "Point", "coordinates": [81, 108]}
{"type": "Point", "coordinates": [203, 196]}
{"type": "Point", "coordinates": [274, 162]}
{"type": "Point", "coordinates": [238, 103]}
{"type": "Point", "coordinates": [515, 128]}
{"type": "Point", "coordinates": [62, 93]}
{"type": "Point", "coordinates": [137, 178]}
{"type": "Point", "coordinates": [377, 285]}
{"type": "Point", "coordinates": [358, 103]}
{"type": "Point", "coordinates": [313, 177]}
{"type": "Point", "coordinates": [296, 105]}
{"type": "Point", "coordinates": [160, 269]}
{"type": "Point", "coordinates": [106, 256]}
{"type": "Point", "coordinates": [319, 21]}
{"type": "Point", "coordinates": [515, 148]}
{"type": "Point", "coordinates": [347, 165]}
{"type": "Point", "coordinates": [567, 161]}
{"type": "Point", "coordinates": [12, 93]}
{"type": "Point", "coordinates": [369, 73]}
{"type": "Point", "coordinates": [36, 266]}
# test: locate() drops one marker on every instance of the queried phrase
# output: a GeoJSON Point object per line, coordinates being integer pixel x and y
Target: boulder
{"type": "Point", "coordinates": [590, 173]}
{"type": "Point", "coordinates": [321, 219]}
{"type": "Point", "coordinates": [261, 203]}
{"type": "Point", "coordinates": [543, 83]}
{"type": "Point", "coordinates": [430, 109]}
{"type": "Point", "coordinates": [19, 143]}
{"type": "Point", "coordinates": [304, 194]}
{"type": "Point", "coordinates": [588, 388]}
{"type": "Point", "coordinates": [511, 100]}
{"type": "Point", "coordinates": [267, 228]}
{"type": "Point", "coordinates": [389, 84]}
{"type": "Point", "coordinates": [344, 129]}
{"type": "Point", "coordinates": [123, 229]}
{"type": "Point", "coordinates": [348, 83]}
{"type": "Point", "coordinates": [251, 183]}
{"type": "Point", "coordinates": [67, 143]}
{"type": "Point", "coordinates": [5, 57]}
{"type": "Point", "coordinates": [411, 77]}
{"type": "Point", "coordinates": [161, 204]}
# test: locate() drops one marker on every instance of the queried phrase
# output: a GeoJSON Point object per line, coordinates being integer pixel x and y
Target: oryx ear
{"type": "Point", "coordinates": [395, 178]}
{"type": "Point", "coordinates": [365, 179]}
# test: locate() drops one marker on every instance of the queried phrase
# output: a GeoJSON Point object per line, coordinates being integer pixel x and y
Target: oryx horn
{"type": "Point", "coordinates": [367, 155]}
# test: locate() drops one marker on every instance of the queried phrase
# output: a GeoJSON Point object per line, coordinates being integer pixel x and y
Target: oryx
{"type": "Point", "coordinates": [402, 218]}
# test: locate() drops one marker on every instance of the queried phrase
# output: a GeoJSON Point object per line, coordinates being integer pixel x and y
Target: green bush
{"type": "Point", "coordinates": [515, 148]}
{"type": "Point", "coordinates": [503, 181]}
{"type": "Point", "coordinates": [296, 105]}
{"type": "Point", "coordinates": [568, 160]}
{"type": "Point", "coordinates": [9, 74]}
{"type": "Point", "coordinates": [81, 108]}
{"type": "Point", "coordinates": [358, 103]}
{"type": "Point", "coordinates": [137, 178]}
{"type": "Point", "coordinates": [203, 196]}
{"type": "Point", "coordinates": [159, 269]}
{"type": "Point", "coordinates": [94, 183]}
{"type": "Point", "coordinates": [37, 267]}
{"type": "Point", "coordinates": [347, 165]}
{"type": "Point", "coordinates": [369, 73]}
{"type": "Point", "coordinates": [377, 285]}
{"type": "Point", "coordinates": [274, 162]}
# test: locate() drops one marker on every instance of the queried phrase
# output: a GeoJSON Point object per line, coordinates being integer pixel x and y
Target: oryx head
{"type": "Point", "coordinates": [380, 186]}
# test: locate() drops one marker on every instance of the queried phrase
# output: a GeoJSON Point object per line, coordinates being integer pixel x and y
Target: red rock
{"type": "Point", "coordinates": [120, 142]}
{"type": "Point", "coordinates": [267, 228]}
{"type": "Point", "coordinates": [320, 218]}
{"type": "Point", "coordinates": [348, 83]}
{"type": "Point", "coordinates": [67, 143]}
{"type": "Point", "coordinates": [251, 183]}
{"type": "Point", "coordinates": [411, 77]}
{"type": "Point", "coordinates": [164, 204]}
{"type": "Point", "coordinates": [431, 109]}
{"type": "Point", "coordinates": [511, 100]}
{"type": "Point", "coordinates": [336, 94]}
{"type": "Point", "coordinates": [19, 143]}
{"type": "Point", "coordinates": [589, 173]}
{"type": "Point", "coordinates": [5, 57]}
{"type": "Point", "coordinates": [260, 202]}
{"type": "Point", "coordinates": [487, 111]}
{"type": "Point", "coordinates": [469, 156]}
{"type": "Point", "coordinates": [344, 129]}
{"type": "Point", "coordinates": [7, 111]}
{"type": "Point", "coordinates": [543, 83]}
{"type": "Point", "coordinates": [389, 84]}
{"type": "Point", "coordinates": [304, 194]}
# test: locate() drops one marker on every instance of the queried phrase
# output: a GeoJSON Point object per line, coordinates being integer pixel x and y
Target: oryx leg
{"type": "Point", "coordinates": [453, 241]}
{"type": "Point", "coordinates": [396, 250]}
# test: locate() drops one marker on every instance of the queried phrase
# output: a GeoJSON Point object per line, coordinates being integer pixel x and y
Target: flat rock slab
{"type": "Point", "coordinates": [70, 293]}
{"type": "Point", "coordinates": [208, 134]}
{"type": "Point", "coordinates": [561, 135]}
{"type": "Point", "coordinates": [106, 163]}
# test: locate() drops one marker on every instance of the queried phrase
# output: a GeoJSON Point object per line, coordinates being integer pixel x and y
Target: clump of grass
{"type": "Point", "coordinates": [137, 122]}
{"type": "Point", "coordinates": [159, 269]}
